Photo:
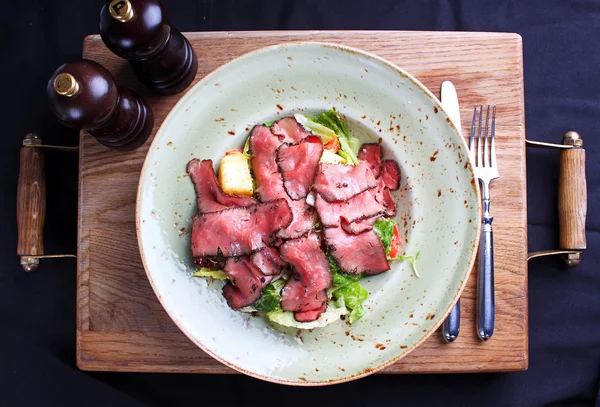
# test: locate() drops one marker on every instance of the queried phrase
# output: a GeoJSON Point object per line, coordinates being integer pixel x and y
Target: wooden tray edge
{"type": "Point", "coordinates": [83, 356]}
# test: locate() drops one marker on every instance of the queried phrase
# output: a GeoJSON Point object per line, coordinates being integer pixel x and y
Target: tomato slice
{"type": "Point", "coordinates": [395, 244]}
{"type": "Point", "coordinates": [333, 145]}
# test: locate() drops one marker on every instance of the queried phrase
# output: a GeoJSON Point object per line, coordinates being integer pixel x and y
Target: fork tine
{"type": "Point", "coordinates": [493, 152]}
{"type": "Point", "coordinates": [472, 139]}
{"type": "Point", "coordinates": [486, 146]}
{"type": "Point", "coordinates": [479, 146]}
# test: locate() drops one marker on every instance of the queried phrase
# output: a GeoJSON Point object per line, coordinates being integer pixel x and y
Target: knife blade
{"type": "Point", "coordinates": [449, 99]}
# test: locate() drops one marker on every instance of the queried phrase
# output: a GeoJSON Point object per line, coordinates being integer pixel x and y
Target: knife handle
{"type": "Point", "coordinates": [451, 326]}
{"type": "Point", "coordinates": [572, 199]}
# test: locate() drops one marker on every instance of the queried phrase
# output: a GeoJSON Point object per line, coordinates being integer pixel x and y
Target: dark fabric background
{"type": "Point", "coordinates": [562, 92]}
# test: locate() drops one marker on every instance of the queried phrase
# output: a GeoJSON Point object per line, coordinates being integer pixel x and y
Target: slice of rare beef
{"type": "Point", "coordinates": [298, 165]}
{"type": "Point", "coordinates": [367, 204]}
{"type": "Point", "coordinates": [356, 254]}
{"type": "Point", "coordinates": [263, 147]}
{"type": "Point", "coordinates": [309, 316]}
{"type": "Point", "coordinates": [311, 276]}
{"type": "Point", "coordinates": [239, 231]}
{"type": "Point", "coordinates": [362, 225]}
{"type": "Point", "coordinates": [289, 130]}
{"type": "Point", "coordinates": [359, 226]}
{"type": "Point", "coordinates": [269, 182]}
{"type": "Point", "coordinates": [245, 283]}
{"type": "Point", "coordinates": [391, 174]}
{"type": "Point", "coordinates": [304, 218]}
{"type": "Point", "coordinates": [372, 154]}
{"type": "Point", "coordinates": [339, 182]}
{"type": "Point", "coordinates": [209, 196]}
{"type": "Point", "coordinates": [268, 261]}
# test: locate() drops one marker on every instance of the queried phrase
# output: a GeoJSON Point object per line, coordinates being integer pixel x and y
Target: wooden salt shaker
{"type": "Point", "coordinates": [84, 95]}
{"type": "Point", "coordinates": [139, 31]}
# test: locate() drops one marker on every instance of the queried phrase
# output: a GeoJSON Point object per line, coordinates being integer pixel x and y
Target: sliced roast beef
{"type": "Point", "coordinates": [359, 226]}
{"type": "Point", "coordinates": [309, 316]}
{"type": "Point", "coordinates": [263, 146]}
{"type": "Point", "coordinates": [295, 296]}
{"type": "Point", "coordinates": [390, 174]}
{"type": "Point", "coordinates": [361, 206]}
{"type": "Point", "coordinates": [239, 231]}
{"type": "Point", "coordinates": [305, 291]}
{"type": "Point", "coordinates": [339, 182]}
{"type": "Point", "coordinates": [390, 205]}
{"type": "Point", "coordinates": [298, 165]}
{"type": "Point", "coordinates": [209, 196]}
{"type": "Point", "coordinates": [245, 282]}
{"type": "Point", "coordinates": [268, 261]}
{"type": "Point", "coordinates": [211, 263]}
{"type": "Point", "coordinates": [304, 218]}
{"type": "Point", "coordinates": [356, 254]}
{"type": "Point", "coordinates": [362, 225]}
{"type": "Point", "coordinates": [289, 130]}
{"type": "Point", "coordinates": [372, 154]}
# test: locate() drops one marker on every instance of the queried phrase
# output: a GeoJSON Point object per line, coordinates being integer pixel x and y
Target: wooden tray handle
{"type": "Point", "coordinates": [572, 195]}
{"type": "Point", "coordinates": [31, 203]}
{"type": "Point", "coordinates": [572, 199]}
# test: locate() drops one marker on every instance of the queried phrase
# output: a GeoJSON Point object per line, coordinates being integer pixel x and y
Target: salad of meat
{"type": "Point", "coordinates": [296, 219]}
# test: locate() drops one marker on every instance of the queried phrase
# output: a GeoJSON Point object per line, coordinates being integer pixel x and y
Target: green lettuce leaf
{"type": "Point", "coordinates": [347, 153]}
{"type": "Point", "coordinates": [286, 318]}
{"type": "Point", "coordinates": [354, 144]}
{"type": "Point", "coordinates": [332, 158]}
{"type": "Point", "coordinates": [347, 291]}
{"type": "Point", "coordinates": [356, 314]}
{"type": "Point", "coordinates": [352, 295]}
{"type": "Point", "coordinates": [208, 273]}
{"type": "Point", "coordinates": [385, 230]}
{"type": "Point", "coordinates": [246, 150]}
{"type": "Point", "coordinates": [340, 278]}
{"type": "Point", "coordinates": [329, 125]}
{"type": "Point", "coordinates": [271, 297]}
{"type": "Point", "coordinates": [268, 124]}
{"type": "Point", "coordinates": [333, 266]}
{"type": "Point", "coordinates": [324, 132]}
{"type": "Point", "coordinates": [413, 262]}
{"type": "Point", "coordinates": [317, 227]}
{"type": "Point", "coordinates": [348, 145]}
{"type": "Point", "coordinates": [334, 121]}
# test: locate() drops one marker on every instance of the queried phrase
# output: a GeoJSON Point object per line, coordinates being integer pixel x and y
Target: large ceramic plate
{"type": "Point", "coordinates": [438, 209]}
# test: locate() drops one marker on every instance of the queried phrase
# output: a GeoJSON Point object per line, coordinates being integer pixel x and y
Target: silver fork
{"type": "Point", "coordinates": [483, 154]}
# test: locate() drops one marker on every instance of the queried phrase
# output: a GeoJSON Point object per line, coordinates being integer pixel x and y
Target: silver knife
{"type": "Point", "coordinates": [449, 100]}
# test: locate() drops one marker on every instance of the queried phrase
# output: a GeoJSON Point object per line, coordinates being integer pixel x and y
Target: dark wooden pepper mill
{"type": "Point", "coordinates": [84, 95]}
{"type": "Point", "coordinates": [139, 31]}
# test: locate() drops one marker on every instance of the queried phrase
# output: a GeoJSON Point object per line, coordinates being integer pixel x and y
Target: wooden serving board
{"type": "Point", "coordinates": [122, 327]}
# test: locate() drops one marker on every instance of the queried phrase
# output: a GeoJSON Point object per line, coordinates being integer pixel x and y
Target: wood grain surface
{"type": "Point", "coordinates": [31, 202]}
{"type": "Point", "coordinates": [572, 199]}
{"type": "Point", "coordinates": [120, 323]}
